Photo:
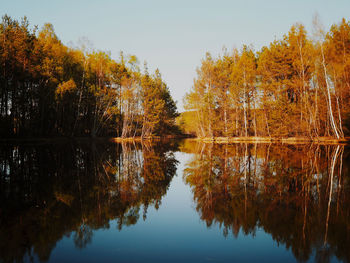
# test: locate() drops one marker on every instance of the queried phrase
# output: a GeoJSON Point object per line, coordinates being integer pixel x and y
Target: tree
{"type": "Point", "coordinates": [153, 105]}
{"type": "Point", "coordinates": [47, 88]}
{"type": "Point", "coordinates": [201, 98]}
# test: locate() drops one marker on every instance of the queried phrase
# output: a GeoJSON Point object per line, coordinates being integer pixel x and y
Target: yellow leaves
{"type": "Point", "coordinates": [64, 88]}
{"type": "Point", "coordinates": [100, 63]}
{"type": "Point", "coordinates": [133, 61]}
{"type": "Point", "coordinates": [188, 122]}
{"type": "Point", "coordinates": [275, 91]}
{"type": "Point", "coordinates": [53, 52]}
{"type": "Point", "coordinates": [43, 74]}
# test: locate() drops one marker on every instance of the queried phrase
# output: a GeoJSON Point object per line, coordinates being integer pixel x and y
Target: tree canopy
{"type": "Point", "coordinates": [295, 87]}
{"type": "Point", "coordinates": [50, 89]}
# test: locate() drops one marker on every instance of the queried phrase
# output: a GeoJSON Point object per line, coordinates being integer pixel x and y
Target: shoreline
{"type": "Point", "coordinates": [286, 140]}
{"type": "Point", "coordinates": [106, 139]}
{"type": "Point", "coordinates": [218, 140]}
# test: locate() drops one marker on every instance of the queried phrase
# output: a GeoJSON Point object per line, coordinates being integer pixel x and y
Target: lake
{"type": "Point", "coordinates": [173, 201]}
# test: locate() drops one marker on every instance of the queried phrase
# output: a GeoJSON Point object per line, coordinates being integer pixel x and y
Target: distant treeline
{"type": "Point", "coordinates": [49, 89]}
{"type": "Point", "coordinates": [297, 86]}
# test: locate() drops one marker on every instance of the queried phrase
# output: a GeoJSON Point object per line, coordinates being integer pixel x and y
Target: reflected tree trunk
{"type": "Point", "coordinates": [331, 172]}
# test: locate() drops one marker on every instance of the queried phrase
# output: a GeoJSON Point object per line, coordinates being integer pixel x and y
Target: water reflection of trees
{"type": "Point", "coordinates": [51, 191]}
{"type": "Point", "coordinates": [297, 193]}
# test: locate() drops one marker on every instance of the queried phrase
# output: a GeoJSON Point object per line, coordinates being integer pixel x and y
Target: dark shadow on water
{"type": "Point", "coordinates": [48, 191]}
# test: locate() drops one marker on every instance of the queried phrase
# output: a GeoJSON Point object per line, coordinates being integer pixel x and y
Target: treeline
{"type": "Point", "coordinates": [48, 88]}
{"type": "Point", "coordinates": [296, 86]}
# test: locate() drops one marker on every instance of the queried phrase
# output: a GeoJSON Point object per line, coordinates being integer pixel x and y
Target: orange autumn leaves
{"type": "Point", "coordinates": [50, 89]}
{"type": "Point", "coordinates": [297, 86]}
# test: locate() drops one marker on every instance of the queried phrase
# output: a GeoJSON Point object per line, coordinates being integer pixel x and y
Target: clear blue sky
{"type": "Point", "coordinates": [174, 35]}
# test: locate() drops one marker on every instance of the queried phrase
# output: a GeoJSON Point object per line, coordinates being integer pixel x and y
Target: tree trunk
{"type": "Point", "coordinates": [333, 124]}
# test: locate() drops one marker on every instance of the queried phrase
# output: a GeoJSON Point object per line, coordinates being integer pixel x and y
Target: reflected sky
{"type": "Point", "coordinates": [175, 226]}
{"type": "Point", "coordinates": [173, 233]}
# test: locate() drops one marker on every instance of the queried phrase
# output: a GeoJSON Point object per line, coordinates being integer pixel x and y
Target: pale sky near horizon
{"type": "Point", "coordinates": [174, 35]}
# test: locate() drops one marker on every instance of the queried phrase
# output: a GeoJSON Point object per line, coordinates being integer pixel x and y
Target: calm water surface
{"type": "Point", "coordinates": [88, 201]}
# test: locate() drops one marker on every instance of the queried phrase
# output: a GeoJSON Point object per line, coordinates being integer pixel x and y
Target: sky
{"type": "Point", "coordinates": [174, 36]}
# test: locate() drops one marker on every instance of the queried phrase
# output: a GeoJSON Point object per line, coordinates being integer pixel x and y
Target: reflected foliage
{"type": "Point", "coordinates": [299, 194]}
{"type": "Point", "coordinates": [50, 191]}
